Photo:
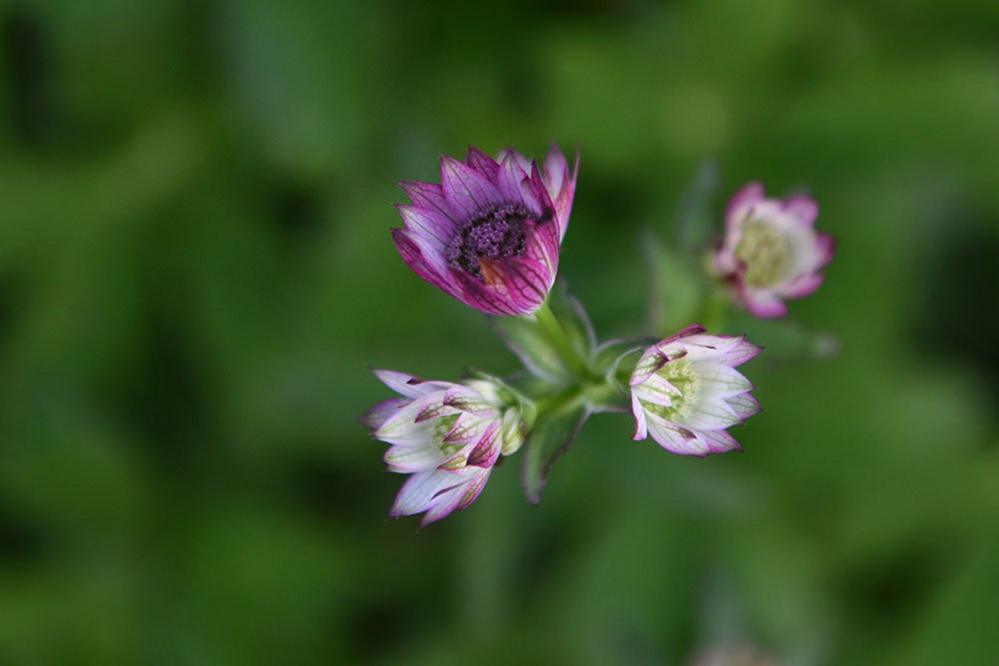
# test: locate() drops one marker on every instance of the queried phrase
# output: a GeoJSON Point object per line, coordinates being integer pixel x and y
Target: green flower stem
{"type": "Point", "coordinates": [560, 339]}
{"type": "Point", "coordinates": [560, 403]}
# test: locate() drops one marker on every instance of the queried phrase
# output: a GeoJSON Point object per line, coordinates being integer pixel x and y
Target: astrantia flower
{"type": "Point", "coordinates": [771, 250]}
{"type": "Point", "coordinates": [489, 234]}
{"type": "Point", "coordinates": [448, 436]}
{"type": "Point", "coordinates": [686, 393]}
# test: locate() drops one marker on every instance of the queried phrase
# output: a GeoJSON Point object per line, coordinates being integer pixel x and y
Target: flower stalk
{"type": "Point", "coordinates": [489, 235]}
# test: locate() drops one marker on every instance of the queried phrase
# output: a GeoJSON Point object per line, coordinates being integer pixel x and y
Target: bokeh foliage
{"type": "Point", "coordinates": [195, 272]}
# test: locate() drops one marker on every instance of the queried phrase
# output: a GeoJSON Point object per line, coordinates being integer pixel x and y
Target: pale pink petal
{"type": "Point", "coordinates": [410, 386]}
{"type": "Point", "coordinates": [802, 208]}
{"type": "Point", "coordinates": [740, 204]}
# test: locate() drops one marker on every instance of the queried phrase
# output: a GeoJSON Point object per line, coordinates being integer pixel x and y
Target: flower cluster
{"type": "Point", "coordinates": [489, 235]}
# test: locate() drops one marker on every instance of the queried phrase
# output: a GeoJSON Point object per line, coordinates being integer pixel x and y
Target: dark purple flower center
{"type": "Point", "coordinates": [495, 233]}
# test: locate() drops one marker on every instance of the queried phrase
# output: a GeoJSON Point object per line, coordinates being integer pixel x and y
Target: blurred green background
{"type": "Point", "coordinates": [196, 273]}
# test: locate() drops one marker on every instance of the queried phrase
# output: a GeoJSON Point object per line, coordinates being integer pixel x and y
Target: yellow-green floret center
{"type": "Point", "coordinates": [765, 252]}
{"type": "Point", "coordinates": [442, 427]}
{"type": "Point", "coordinates": [683, 377]}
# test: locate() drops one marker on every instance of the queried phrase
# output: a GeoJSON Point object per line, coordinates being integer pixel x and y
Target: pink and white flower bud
{"type": "Point", "coordinates": [447, 436]}
{"type": "Point", "coordinates": [686, 393]}
{"type": "Point", "coordinates": [771, 250]}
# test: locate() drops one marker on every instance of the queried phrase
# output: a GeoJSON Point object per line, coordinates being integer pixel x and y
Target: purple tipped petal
{"type": "Point", "coordinates": [522, 162]}
{"type": "Point", "coordinates": [482, 163]}
{"type": "Point", "coordinates": [804, 286]}
{"type": "Point", "coordinates": [718, 441]}
{"type": "Point", "coordinates": [692, 329]}
{"type": "Point", "coordinates": [744, 404]}
{"type": "Point", "coordinates": [427, 195]}
{"type": "Point", "coordinates": [408, 385]}
{"type": "Point", "coordinates": [523, 282]}
{"type": "Point", "coordinates": [429, 223]}
{"type": "Point", "coordinates": [374, 418]}
{"type": "Point", "coordinates": [535, 186]}
{"type": "Point", "coordinates": [473, 488]}
{"type": "Point", "coordinates": [741, 203]}
{"type": "Point", "coordinates": [419, 261]}
{"type": "Point", "coordinates": [561, 186]}
{"type": "Point", "coordinates": [542, 245]}
{"type": "Point", "coordinates": [467, 190]}
{"type": "Point", "coordinates": [412, 459]}
{"type": "Point", "coordinates": [487, 450]}
{"type": "Point", "coordinates": [802, 208]}
{"type": "Point", "coordinates": [827, 248]}
{"type": "Point", "coordinates": [420, 490]}
{"type": "Point", "coordinates": [763, 304]}
{"type": "Point", "coordinates": [675, 439]}
{"type": "Point", "coordinates": [482, 297]}
{"type": "Point", "coordinates": [556, 171]}
{"type": "Point", "coordinates": [510, 180]}
{"type": "Point", "coordinates": [641, 427]}
{"type": "Point", "coordinates": [740, 352]}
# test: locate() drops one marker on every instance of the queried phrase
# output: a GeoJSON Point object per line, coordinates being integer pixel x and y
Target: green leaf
{"type": "Point", "coordinates": [556, 361]}
{"type": "Point", "coordinates": [530, 343]}
{"type": "Point", "coordinates": [694, 219]}
{"type": "Point", "coordinates": [678, 286]}
{"type": "Point", "coordinates": [552, 436]}
{"type": "Point", "coordinates": [571, 314]}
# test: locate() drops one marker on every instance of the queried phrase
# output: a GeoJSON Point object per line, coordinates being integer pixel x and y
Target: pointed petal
{"type": "Point", "coordinates": [509, 179]}
{"type": "Point", "coordinates": [803, 286]}
{"type": "Point", "coordinates": [522, 162]}
{"type": "Point", "coordinates": [744, 404]}
{"type": "Point", "coordinates": [718, 441]}
{"type": "Point", "coordinates": [419, 491]}
{"type": "Point", "coordinates": [762, 303]}
{"type": "Point", "coordinates": [487, 449]}
{"type": "Point", "coordinates": [740, 204]}
{"type": "Point", "coordinates": [424, 261]}
{"type": "Point", "coordinates": [380, 413]}
{"type": "Point", "coordinates": [429, 223]}
{"type": "Point", "coordinates": [410, 459]}
{"type": "Point", "coordinates": [474, 487]}
{"type": "Point", "coordinates": [556, 171]}
{"type": "Point", "coordinates": [482, 163]}
{"type": "Point", "coordinates": [651, 362]}
{"type": "Point", "coordinates": [721, 379]}
{"type": "Point", "coordinates": [467, 190]}
{"type": "Point", "coordinates": [656, 390]}
{"type": "Point", "coordinates": [561, 186]}
{"type": "Point", "coordinates": [802, 208]}
{"type": "Point", "coordinates": [482, 297]}
{"type": "Point", "coordinates": [675, 438]}
{"type": "Point", "coordinates": [542, 244]}
{"type": "Point", "coordinates": [427, 195]}
{"type": "Point", "coordinates": [522, 283]}
{"type": "Point", "coordinates": [709, 413]}
{"type": "Point", "coordinates": [827, 248]}
{"type": "Point", "coordinates": [408, 385]}
{"type": "Point", "coordinates": [641, 428]}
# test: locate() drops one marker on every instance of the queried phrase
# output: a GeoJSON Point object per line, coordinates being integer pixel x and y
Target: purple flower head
{"type": "Point", "coordinates": [771, 250]}
{"type": "Point", "coordinates": [686, 393]}
{"type": "Point", "coordinates": [489, 234]}
{"type": "Point", "coordinates": [447, 436]}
